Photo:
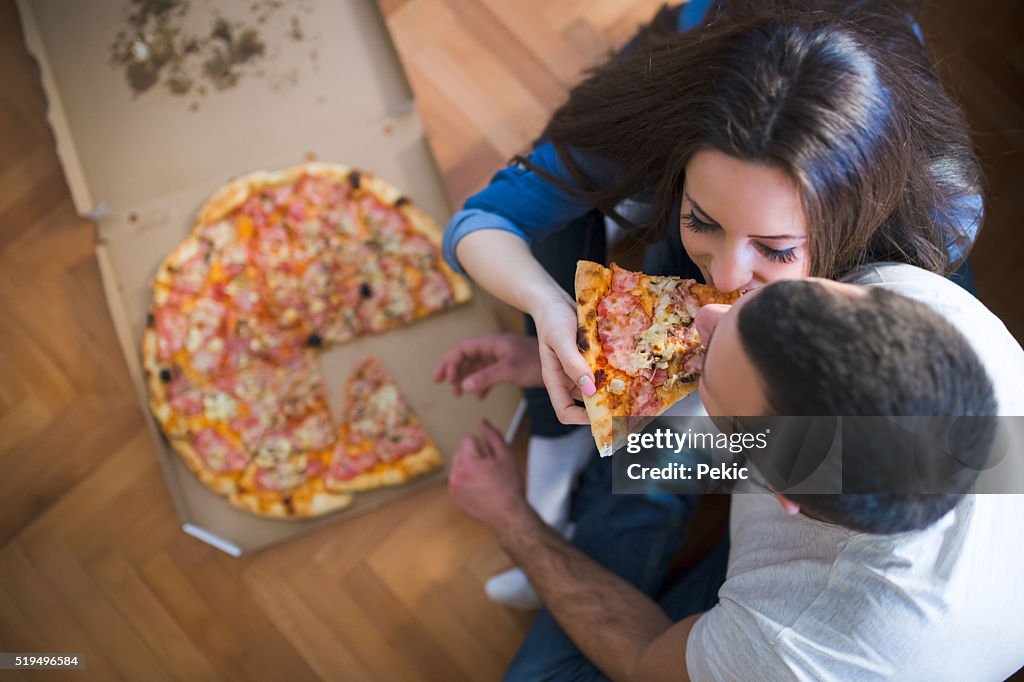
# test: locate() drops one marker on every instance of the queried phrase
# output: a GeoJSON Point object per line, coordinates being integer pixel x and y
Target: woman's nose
{"type": "Point", "coordinates": [729, 272]}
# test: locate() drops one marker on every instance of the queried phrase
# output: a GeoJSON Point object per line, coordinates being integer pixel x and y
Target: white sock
{"type": "Point", "coordinates": [512, 589]}
{"type": "Point", "coordinates": [552, 467]}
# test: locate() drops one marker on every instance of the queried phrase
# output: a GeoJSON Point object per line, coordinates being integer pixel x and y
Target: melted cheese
{"type": "Point", "coordinates": [660, 340]}
{"type": "Point", "coordinates": [617, 386]}
{"type": "Point", "coordinates": [221, 234]}
{"type": "Point", "coordinates": [194, 339]}
{"type": "Point", "coordinates": [219, 406]}
{"type": "Point", "coordinates": [638, 361]}
{"type": "Point", "coordinates": [188, 251]}
{"type": "Point", "coordinates": [272, 451]}
{"type": "Point", "coordinates": [385, 398]}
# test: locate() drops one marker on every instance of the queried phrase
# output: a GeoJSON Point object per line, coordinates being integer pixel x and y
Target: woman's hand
{"type": "Point", "coordinates": [565, 372]}
{"type": "Point", "coordinates": [502, 264]}
{"type": "Point", "coordinates": [477, 364]}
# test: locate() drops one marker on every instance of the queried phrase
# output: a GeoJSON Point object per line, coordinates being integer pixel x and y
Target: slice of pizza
{"type": "Point", "coordinates": [382, 441]}
{"type": "Point", "coordinates": [637, 334]}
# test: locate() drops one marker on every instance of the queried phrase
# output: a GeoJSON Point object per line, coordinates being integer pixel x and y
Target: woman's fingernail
{"type": "Point", "coordinates": [586, 386]}
{"type": "Point", "coordinates": [468, 385]}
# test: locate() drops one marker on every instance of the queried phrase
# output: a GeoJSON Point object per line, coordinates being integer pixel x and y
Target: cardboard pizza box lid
{"type": "Point", "coordinates": [146, 164]}
{"type": "Point", "coordinates": [309, 69]}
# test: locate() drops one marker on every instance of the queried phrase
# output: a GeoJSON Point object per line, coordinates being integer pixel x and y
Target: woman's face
{"type": "Point", "coordinates": [742, 223]}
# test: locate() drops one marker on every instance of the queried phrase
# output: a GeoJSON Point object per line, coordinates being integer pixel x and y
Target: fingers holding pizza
{"type": "Point", "coordinates": [566, 373]}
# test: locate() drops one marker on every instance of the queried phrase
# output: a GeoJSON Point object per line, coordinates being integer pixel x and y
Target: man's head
{"type": "Point", "coordinates": [820, 348]}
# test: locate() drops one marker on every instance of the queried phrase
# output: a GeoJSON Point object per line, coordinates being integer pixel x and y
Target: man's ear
{"type": "Point", "coordinates": [789, 506]}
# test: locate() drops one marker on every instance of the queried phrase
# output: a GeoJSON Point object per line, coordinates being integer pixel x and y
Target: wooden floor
{"type": "Point", "coordinates": [92, 559]}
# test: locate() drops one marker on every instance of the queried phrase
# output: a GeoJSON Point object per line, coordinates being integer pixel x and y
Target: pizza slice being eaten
{"type": "Point", "coordinates": [637, 333]}
{"type": "Point", "coordinates": [381, 441]}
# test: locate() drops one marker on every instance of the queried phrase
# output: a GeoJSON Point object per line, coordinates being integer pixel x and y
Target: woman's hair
{"type": "Point", "coordinates": [849, 105]}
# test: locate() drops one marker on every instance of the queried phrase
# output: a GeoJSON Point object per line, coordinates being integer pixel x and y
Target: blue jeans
{"type": "Point", "coordinates": [634, 536]}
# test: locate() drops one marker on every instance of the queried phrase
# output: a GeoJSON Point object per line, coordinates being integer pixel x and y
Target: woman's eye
{"type": "Point", "coordinates": [778, 255]}
{"type": "Point", "coordinates": [697, 225]}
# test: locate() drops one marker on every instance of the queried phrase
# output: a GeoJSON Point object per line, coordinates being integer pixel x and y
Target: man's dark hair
{"type": "Point", "coordinates": [880, 355]}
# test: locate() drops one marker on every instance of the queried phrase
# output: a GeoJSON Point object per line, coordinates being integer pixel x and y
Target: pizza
{"type": "Point", "coordinates": [381, 441]}
{"type": "Point", "coordinates": [277, 267]}
{"type": "Point", "coordinates": [637, 334]}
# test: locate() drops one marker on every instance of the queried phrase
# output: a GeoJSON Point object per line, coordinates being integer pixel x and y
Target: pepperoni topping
{"type": "Point", "coordinates": [271, 249]}
{"type": "Point", "coordinates": [184, 396]}
{"type": "Point", "coordinates": [251, 428]}
{"type": "Point", "coordinates": [253, 207]}
{"type": "Point", "coordinates": [382, 219]}
{"type": "Point", "coordinates": [407, 440]}
{"type": "Point", "coordinates": [315, 467]}
{"type": "Point", "coordinates": [346, 466]}
{"type": "Point", "coordinates": [296, 212]}
{"type": "Point", "coordinates": [239, 293]}
{"type": "Point", "coordinates": [644, 399]}
{"type": "Point", "coordinates": [419, 249]}
{"type": "Point", "coordinates": [187, 269]}
{"type": "Point", "coordinates": [435, 292]}
{"type": "Point", "coordinates": [279, 195]}
{"type": "Point", "coordinates": [171, 329]}
{"type": "Point", "coordinates": [623, 280]}
{"type": "Point", "coordinates": [620, 318]}
{"type": "Point", "coordinates": [687, 299]}
{"type": "Point", "coordinates": [218, 453]}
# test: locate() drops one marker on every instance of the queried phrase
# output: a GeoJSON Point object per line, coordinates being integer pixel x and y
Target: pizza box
{"type": "Point", "coordinates": [142, 152]}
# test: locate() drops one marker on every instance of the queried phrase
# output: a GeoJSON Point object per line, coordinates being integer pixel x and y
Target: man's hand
{"type": "Point", "coordinates": [620, 629]}
{"type": "Point", "coordinates": [485, 481]}
{"type": "Point", "coordinates": [475, 365]}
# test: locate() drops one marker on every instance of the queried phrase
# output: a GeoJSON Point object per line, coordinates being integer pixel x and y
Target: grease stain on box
{"type": "Point", "coordinates": [157, 47]}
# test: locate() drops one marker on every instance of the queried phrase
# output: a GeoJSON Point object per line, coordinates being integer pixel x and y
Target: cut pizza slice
{"type": "Point", "coordinates": [637, 334]}
{"type": "Point", "coordinates": [382, 441]}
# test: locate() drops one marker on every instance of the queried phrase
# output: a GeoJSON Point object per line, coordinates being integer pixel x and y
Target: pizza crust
{"type": "Point", "coordinates": [592, 282]}
{"type": "Point", "coordinates": [426, 459]}
{"type": "Point", "coordinates": [303, 502]}
{"type": "Point", "coordinates": [223, 484]}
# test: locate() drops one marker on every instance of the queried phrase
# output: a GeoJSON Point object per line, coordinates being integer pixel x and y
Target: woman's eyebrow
{"type": "Point", "coordinates": [702, 211]}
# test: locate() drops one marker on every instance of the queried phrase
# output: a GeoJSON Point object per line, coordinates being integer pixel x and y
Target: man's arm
{"type": "Point", "coordinates": [619, 629]}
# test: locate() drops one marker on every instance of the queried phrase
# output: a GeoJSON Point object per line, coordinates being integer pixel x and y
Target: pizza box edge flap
{"type": "Point", "coordinates": [56, 116]}
{"type": "Point", "coordinates": [105, 138]}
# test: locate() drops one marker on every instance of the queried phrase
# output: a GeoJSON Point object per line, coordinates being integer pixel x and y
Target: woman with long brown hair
{"type": "Point", "coordinates": [778, 140]}
{"type": "Point", "coordinates": [843, 106]}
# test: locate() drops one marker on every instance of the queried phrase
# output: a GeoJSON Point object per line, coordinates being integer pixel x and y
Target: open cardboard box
{"type": "Point", "coordinates": [142, 164]}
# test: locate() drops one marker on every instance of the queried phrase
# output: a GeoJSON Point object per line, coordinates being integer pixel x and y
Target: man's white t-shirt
{"type": "Point", "coordinates": [812, 601]}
